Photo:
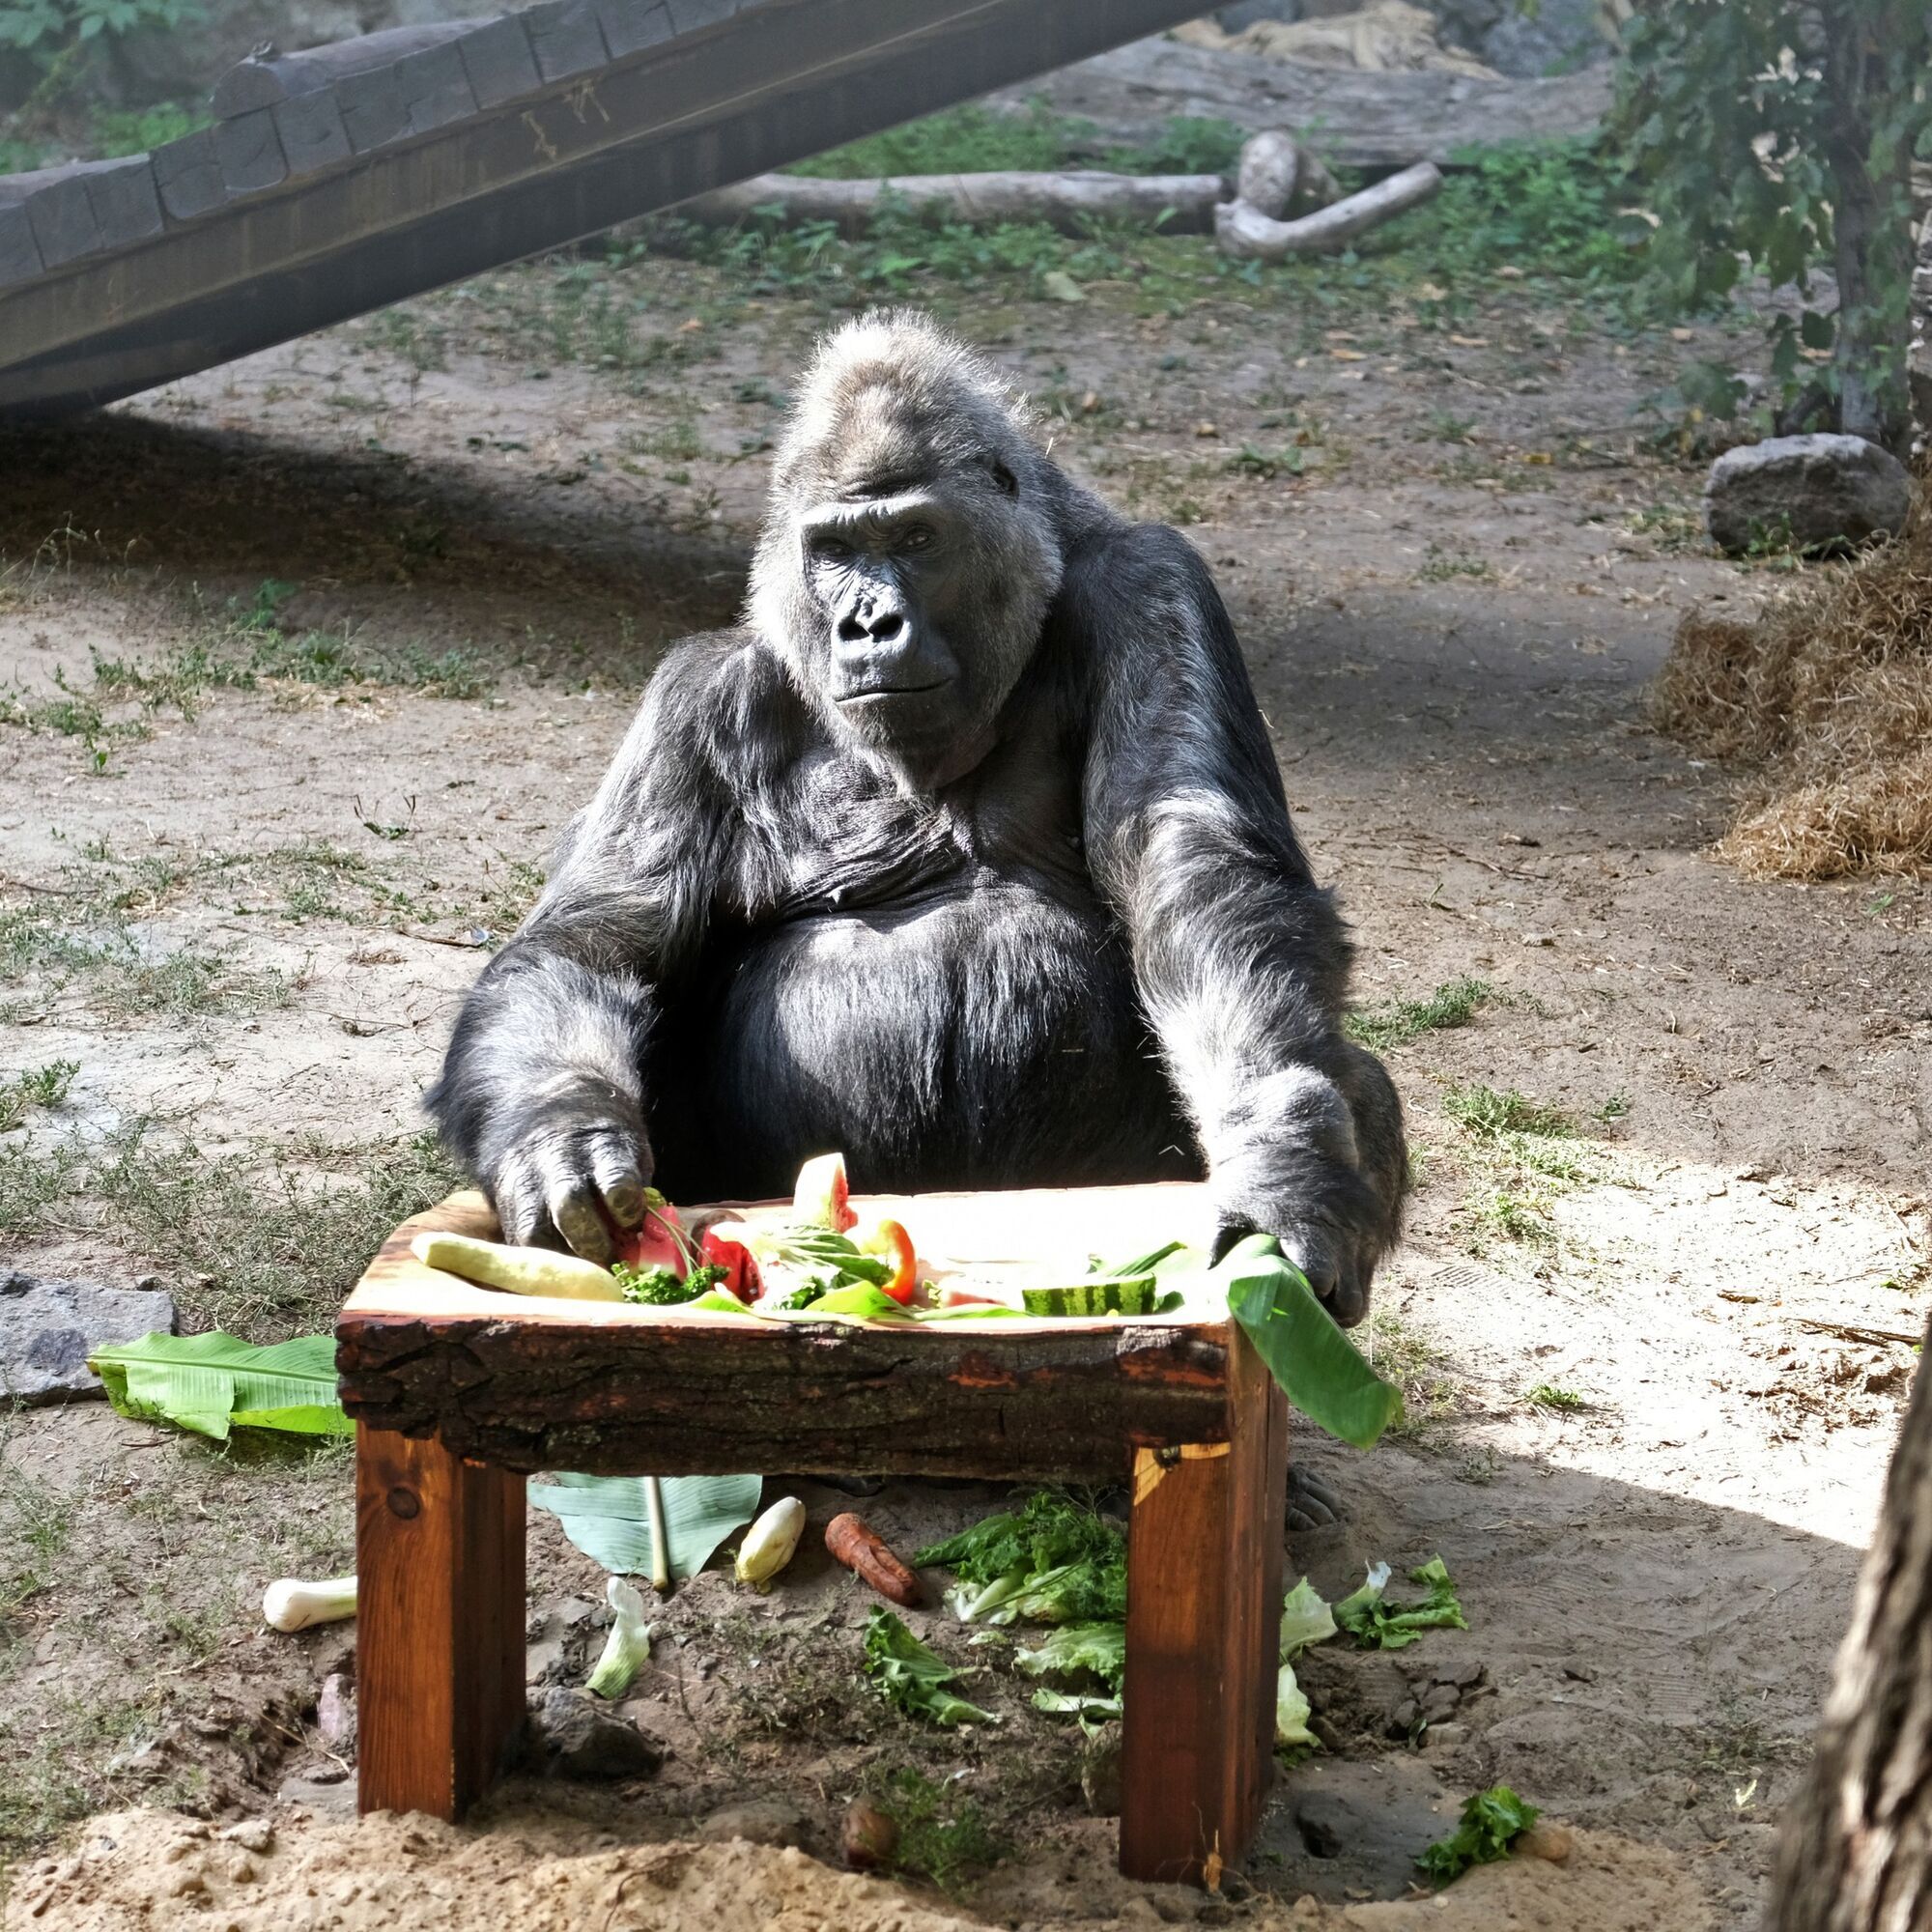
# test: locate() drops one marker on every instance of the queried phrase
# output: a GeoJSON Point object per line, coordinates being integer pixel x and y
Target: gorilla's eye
{"type": "Point", "coordinates": [917, 537]}
{"type": "Point", "coordinates": [832, 550]}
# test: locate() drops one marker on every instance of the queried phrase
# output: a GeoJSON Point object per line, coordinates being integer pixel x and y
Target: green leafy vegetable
{"type": "Point", "coordinates": [1054, 1559]}
{"type": "Point", "coordinates": [1316, 1364]}
{"type": "Point", "coordinates": [1492, 1821]}
{"type": "Point", "coordinates": [861, 1301]}
{"type": "Point", "coordinates": [1101, 1648]}
{"type": "Point", "coordinates": [1093, 1712]}
{"type": "Point", "coordinates": [1290, 1714]}
{"type": "Point", "coordinates": [665, 1287]}
{"type": "Point", "coordinates": [907, 1674]}
{"type": "Point", "coordinates": [1305, 1619]}
{"type": "Point", "coordinates": [214, 1383]}
{"type": "Point", "coordinates": [627, 1648]}
{"type": "Point", "coordinates": [1378, 1624]}
{"type": "Point", "coordinates": [608, 1517]}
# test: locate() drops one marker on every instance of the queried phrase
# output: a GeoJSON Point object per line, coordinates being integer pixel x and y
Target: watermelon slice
{"type": "Point", "coordinates": [659, 1243]}
{"type": "Point", "coordinates": [739, 1263]}
{"type": "Point", "coordinates": [1138, 1295]}
{"type": "Point", "coordinates": [822, 1193]}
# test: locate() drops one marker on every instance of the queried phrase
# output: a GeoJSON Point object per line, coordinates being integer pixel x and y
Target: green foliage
{"type": "Point", "coordinates": [1552, 207]}
{"type": "Point", "coordinates": [1396, 1022]}
{"type": "Point", "coordinates": [1378, 1624]}
{"type": "Point", "coordinates": [942, 1834]}
{"type": "Point", "coordinates": [1492, 1821]}
{"type": "Point", "coordinates": [45, 30]}
{"type": "Point", "coordinates": [1055, 1557]}
{"type": "Point", "coordinates": [1546, 1395]}
{"type": "Point", "coordinates": [977, 140]}
{"type": "Point", "coordinates": [1488, 1114]}
{"type": "Point", "coordinates": [907, 1674]}
{"type": "Point", "coordinates": [1776, 141]}
{"type": "Point", "coordinates": [138, 130]}
{"type": "Point", "coordinates": [39, 1087]}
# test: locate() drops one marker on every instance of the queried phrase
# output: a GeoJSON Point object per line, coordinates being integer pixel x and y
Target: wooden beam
{"type": "Point", "coordinates": [1205, 1557]}
{"type": "Point", "coordinates": [433, 193]}
{"type": "Point", "coordinates": [439, 1624]}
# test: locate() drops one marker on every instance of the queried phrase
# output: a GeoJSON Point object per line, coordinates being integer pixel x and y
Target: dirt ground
{"type": "Point", "coordinates": [320, 651]}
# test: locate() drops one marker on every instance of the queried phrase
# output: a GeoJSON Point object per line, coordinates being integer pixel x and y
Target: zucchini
{"type": "Point", "coordinates": [1122, 1295]}
{"type": "Point", "coordinates": [520, 1270]}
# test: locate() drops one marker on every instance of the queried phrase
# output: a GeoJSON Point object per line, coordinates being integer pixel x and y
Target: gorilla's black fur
{"type": "Point", "coordinates": [967, 853]}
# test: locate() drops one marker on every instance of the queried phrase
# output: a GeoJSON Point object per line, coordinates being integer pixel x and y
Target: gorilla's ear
{"type": "Point", "coordinates": [1003, 477]}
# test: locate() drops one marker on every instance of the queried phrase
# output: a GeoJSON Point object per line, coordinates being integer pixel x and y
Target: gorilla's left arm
{"type": "Point", "coordinates": [1240, 958]}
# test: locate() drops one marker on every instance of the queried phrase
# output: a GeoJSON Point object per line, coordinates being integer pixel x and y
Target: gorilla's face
{"type": "Point", "coordinates": [926, 598]}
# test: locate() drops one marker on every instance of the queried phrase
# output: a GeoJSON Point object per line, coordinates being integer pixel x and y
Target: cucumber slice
{"type": "Point", "coordinates": [1116, 1296]}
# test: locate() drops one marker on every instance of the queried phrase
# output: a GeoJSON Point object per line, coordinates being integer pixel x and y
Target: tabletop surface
{"type": "Point", "coordinates": [1023, 1235]}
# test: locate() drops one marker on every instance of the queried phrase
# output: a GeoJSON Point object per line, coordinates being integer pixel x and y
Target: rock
{"type": "Point", "coordinates": [335, 1713]}
{"type": "Point", "coordinates": [1440, 1702]}
{"type": "Point", "coordinates": [759, 1821]}
{"type": "Point", "coordinates": [1100, 1772]}
{"type": "Point", "coordinates": [1445, 1736]}
{"type": "Point", "coordinates": [570, 1737]}
{"type": "Point", "coordinates": [867, 1837]}
{"type": "Point", "coordinates": [252, 1834]}
{"type": "Point", "coordinates": [1547, 1839]}
{"type": "Point", "coordinates": [543, 1662]}
{"type": "Point", "coordinates": [1810, 492]}
{"type": "Point", "coordinates": [49, 1327]}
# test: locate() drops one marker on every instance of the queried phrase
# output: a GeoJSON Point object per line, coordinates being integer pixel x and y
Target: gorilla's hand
{"type": "Point", "coordinates": [572, 1173]}
{"type": "Point", "coordinates": [1316, 1162]}
{"type": "Point", "coordinates": [1325, 1216]}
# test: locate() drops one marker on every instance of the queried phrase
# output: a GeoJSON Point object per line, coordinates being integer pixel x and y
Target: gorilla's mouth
{"type": "Point", "coordinates": [871, 693]}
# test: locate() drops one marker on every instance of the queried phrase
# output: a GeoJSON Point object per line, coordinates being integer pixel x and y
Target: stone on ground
{"type": "Point", "coordinates": [1805, 493]}
{"type": "Point", "coordinates": [48, 1328]}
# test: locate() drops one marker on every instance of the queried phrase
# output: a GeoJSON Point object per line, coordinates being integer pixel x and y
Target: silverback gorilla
{"type": "Point", "coordinates": [966, 852]}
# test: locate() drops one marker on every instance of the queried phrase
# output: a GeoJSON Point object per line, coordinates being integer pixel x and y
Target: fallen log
{"type": "Point", "coordinates": [1177, 204]}
{"type": "Point", "coordinates": [1281, 178]}
{"type": "Point", "coordinates": [1244, 231]}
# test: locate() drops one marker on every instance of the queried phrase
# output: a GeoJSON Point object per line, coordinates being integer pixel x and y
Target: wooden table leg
{"type": "Point", "coordinates": [440, 1622]}
{"type": "Point", "coordinates": [1205, 1553]}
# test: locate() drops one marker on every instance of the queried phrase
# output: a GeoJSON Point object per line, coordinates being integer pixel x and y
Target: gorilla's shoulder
{"type": "Point", "coordinates": [725, 696]}
{"type": "Point", "coordinates": [1134, 555]}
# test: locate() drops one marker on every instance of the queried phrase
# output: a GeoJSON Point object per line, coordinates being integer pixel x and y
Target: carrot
{"type": "Point", "coordinates": [854, 1543]}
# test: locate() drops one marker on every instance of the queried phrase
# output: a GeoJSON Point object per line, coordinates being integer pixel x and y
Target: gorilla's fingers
{"type": "Point", "coordinates": [573, 1206]}
{"type": "Point", "coordinates": [519, 1206]}
{"type": "Point", "coordinates": [613, 1165]}
{"type": "Point", "coordinates": [1312, 1504]}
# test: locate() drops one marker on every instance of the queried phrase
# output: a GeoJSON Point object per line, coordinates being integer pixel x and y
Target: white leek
{"type": "Point", "coordinates": [291, 1604]}
{"type": "Point", "coordinates": [628, 1646]}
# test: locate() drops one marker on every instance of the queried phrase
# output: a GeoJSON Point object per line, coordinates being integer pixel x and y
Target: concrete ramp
{"type": "Point", "coordinates": [340, 180]}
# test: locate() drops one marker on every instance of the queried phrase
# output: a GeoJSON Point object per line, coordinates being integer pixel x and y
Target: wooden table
{"type": "Point", "coordinates": [460, 1392]}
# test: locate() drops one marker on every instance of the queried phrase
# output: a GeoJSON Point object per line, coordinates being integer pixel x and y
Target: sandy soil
{"type": "Point", "coordinates": [1651, 1388]}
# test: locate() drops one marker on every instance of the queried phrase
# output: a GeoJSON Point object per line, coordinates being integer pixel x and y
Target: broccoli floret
{"type": "Point", "coordinates": [661, 1287]}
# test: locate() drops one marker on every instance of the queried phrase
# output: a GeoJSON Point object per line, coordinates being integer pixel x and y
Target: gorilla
{"type": "Point", "coordinates": [965, 852]}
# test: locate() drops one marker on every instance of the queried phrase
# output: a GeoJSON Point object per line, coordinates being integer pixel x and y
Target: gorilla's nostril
{"type": "Point", "coordinates": [886, 630]}
{"type": "Point", "coordinates": [851, 631]}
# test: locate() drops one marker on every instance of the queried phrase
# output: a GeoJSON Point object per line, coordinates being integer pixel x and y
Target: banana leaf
{"type": "Point", "coordinates": [213, 1383]}
{"type": "Point", "coordinates": [608, 1518]}
{"type": "Point", "coordinates": [1318, 1367]}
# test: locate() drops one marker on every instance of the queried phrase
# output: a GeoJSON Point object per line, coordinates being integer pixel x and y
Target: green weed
{"type": "Point", "coordinates": [942, 1835]}
{"type": "Point", "coordinates": [1488, 1114]}
{"type": "Point", "coordinates": [39, 1087]}
{"type": "Point", "coordinates": [1545, 1395]}
{"type": "Point", "coordinates": [1396, 1022]}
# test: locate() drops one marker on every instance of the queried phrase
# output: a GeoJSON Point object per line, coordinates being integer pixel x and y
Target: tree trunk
{"type": "Point", "coordinates": [1854, 1851]}
{"type": "Point", "coordinates": [1871, 229]}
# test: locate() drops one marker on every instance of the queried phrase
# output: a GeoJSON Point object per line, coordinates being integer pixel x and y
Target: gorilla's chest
{"type": "Point", "coordinates": [974, 1028]}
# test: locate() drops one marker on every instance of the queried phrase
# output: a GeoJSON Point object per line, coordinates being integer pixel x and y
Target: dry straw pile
{"type": "Point", "coordinates": [1829, 693]}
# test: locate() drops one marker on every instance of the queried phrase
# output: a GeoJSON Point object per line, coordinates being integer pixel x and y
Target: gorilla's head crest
{"type": "Point", "coordinates": [899, 430]}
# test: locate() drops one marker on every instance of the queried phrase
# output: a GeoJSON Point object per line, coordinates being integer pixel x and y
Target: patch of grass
{"type": "Point", "coordinates": [942, 1836]}
{"type": "Point", "coordinates": [1396, 1022]}
{"type": "Point", "coordinates": [1415, 1365]}
{"type": "Point", "coordinates": [1491, 1113]}
{"type": "Point", "coordinates": [32, 1179]}
{"type": "Point", "coordinates": [138, 130]}
{"type": "Point", "coordinates": [187, 985]}
{"type": "Point", "coordinates": [1515, 1215]}
{"type": "Point", "coordinates": [1264, 464]}
{"type": "Point", "coordinates": [265, 1247]}
{"type": "Point", "coordinates": [1446, 426]}
{"type": "Point", "coordinates": [1670, 527]}
{"type": "Point", "coordinates": [1546, 1395]}
{"type": "Point", "coordinates": [39, 1087]}
{"type": "Point", "coordinates": [1441, 564]}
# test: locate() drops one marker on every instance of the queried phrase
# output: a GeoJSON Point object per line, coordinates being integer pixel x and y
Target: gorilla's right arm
{"type": "Point", "coordinates": [542, 1092]}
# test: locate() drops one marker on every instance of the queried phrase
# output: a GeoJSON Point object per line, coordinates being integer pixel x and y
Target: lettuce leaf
{"type": "Point", "coordinates": [1305, 1619]}
{"type": "Point", "coordinates": [1378, 1624]}
{"type": "Point", "coordinates": [1101, 1648]}
{"type": "Point", "coordinates": [1290, 1714]}
{"type": "Point", "coordinates": [908, 1675]}
{"type": "Point", "coordinates": [1492, 1821]}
